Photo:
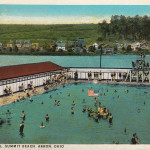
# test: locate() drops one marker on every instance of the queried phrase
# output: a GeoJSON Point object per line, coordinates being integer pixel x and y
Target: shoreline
{"type": "Point", "coordinates": [5, 100]}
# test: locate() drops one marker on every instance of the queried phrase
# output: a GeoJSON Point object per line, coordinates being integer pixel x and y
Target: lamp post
{"type": "Point", "coordinates": [101, 54]}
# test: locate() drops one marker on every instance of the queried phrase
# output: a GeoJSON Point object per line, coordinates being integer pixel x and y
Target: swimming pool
{"type": "Point", "coordinates": [129, 111]}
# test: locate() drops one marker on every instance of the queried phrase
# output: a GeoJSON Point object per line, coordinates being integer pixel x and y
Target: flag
{"type": "Point", "coordinates": [92, 93]}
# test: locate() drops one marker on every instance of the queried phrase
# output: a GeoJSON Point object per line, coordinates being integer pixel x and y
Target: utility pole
{"type": "Point", "coordinates": [101, 54]}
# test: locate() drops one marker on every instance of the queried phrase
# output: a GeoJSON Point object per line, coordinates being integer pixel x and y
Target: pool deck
{"type": "Point", "coordinates": [112, 82]}
{"type": "Point", "coordinates": [7, 99]}
{"type": "Point", "coordinates": [39, 90]}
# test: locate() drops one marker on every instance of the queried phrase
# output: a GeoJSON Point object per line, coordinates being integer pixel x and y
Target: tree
{"type": "Point", "coordinates": [129, 48]}
{"type": "Point", "coordinates": [92, 48]}
{"type": "Point", "coordinates": [10, 49]}
{"type": "Point", "coordinates": [99, 39]}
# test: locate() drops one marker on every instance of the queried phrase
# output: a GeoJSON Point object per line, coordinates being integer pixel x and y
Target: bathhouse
{"type": "Point", "coordinates": [21, 77]}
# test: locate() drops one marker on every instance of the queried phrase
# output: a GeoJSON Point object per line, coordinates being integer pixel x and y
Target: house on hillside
{"type": "Point", "coordinates": [135, 45]}
{"type": "Point", "coordinates": [95, 45]}
{"type": "Point", "coordinates": [41, 49]}
{"type": "Point", "coordinates": [80, 42]}
{"type": "Point", "coordinates": [78, 50]}
{"type": "Point", "coordinates": [1, 46]}
{"type": "Point", "coordinates": [108, 49]}
{"type": "Point", "coordinates": [126, 44]}
{"type": "Point", "coordinates": [27, 45]}
{"type": "Point", "coordinates": [72, 43]}
{"type": "Point", "coordinates": [19, 44]}
{"type": "Point", "coordinates": [10, 44]}
{"type": "Point", "coordinates": [59, 41]}
{"type": "Point", "coordinates": [144, 45]}
{"type": "Point", "coordinates": [35, 46]}
{"type": "Point", "coordinates": [118, 45]}
{"type": "Point", "coordinates": [61, 46]}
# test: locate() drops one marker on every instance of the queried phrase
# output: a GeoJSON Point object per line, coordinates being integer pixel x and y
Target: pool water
{"type": "Point", "coordinates": [129, 111]}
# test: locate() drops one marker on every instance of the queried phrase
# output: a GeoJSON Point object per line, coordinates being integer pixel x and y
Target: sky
{"type": "Point", "coordinates": [66, 14]}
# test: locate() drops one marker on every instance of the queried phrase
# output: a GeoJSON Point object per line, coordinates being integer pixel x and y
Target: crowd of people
{"type": "Point", "coordinates": [8, 90]}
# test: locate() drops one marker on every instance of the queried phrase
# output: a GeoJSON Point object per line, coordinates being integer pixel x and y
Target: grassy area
{"type": "Point", "coordinates": [48, 33]}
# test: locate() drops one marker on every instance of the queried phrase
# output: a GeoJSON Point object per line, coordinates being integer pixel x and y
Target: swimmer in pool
{"type": "Point", "coordinates": [58, 103]}
{"type": "Point", "coordinates": [84, 109]}
{"type": "Point", "coordinates": [55, 103]}
{"type": "Point", "coordinates": [42, 125]}
{"type": "Point", "coordinates": [69, 94]}
{"type": "Point", "coordinates": [89, 108]}
{"type": "Point", "coordinates": [23, 115]}
{"type": "Point", "coordinates": [47, 118]}
{"type": "Point", "coordinates": [99, 104]}
{"type": "Point", "coordinates": [110, 118]}
{"type": "Point", "coordinates": [104, 109]}
{"type": "Point", "coordinates": [135, 139]}
{"type": "Point", "coordinates": [8, 112]}
{"type": "Point", "coordinates": [125, 130]}
{"type": "Point", "coordinates": [72, 110]}
{"type": "Point", "coordinates": [31, 100]}
{"type": "Point", "coordinates": [138, 110]}
{"type": "Point", "coordinates": [21, 127]}
{"type": "Point", "coordinates": [83, 101]}
{"type": "Point", "coordinates": [73, 103]}
{"type": "Point", "coordinates": [42, 103]}
{"type": "Point", "coordinates": [144, 103]}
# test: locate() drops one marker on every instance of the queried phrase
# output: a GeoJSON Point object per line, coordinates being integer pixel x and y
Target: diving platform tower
{"type": "Point", "coordinates": [140, 71]}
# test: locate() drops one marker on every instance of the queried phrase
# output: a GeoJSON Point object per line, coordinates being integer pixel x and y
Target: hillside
{"type": "Point", "coordinates": [48, 33]}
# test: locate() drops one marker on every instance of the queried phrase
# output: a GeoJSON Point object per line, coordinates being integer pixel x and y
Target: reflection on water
{"type": "Point", "coordinates": [8, 121]}
{"type": "Point", "coordinates": [21, 134]}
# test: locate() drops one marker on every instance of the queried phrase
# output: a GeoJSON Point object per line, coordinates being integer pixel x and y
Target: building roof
{"type": "Point", "coordinates": [71, 42]}
{"type": "Point", "coordinates": [35, 44]}
{"type": "Point", "coordinates": [9, 72]}
{"type": "Point", "coordinates": [19, 42]}
{"type": "Point", "coordinates": [10, 42]}
{"type": "Point", "coordinates": [27, 42]}
{"type": "Point", "coordinates": [107, 46]}
{"type": "Point", "coordinates": [61, 44]}
{"type": "Point", "coordinates": [78, 48]}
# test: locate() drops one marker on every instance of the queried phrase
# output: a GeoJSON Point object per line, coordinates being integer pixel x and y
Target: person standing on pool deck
{"type": "Point", "coordinates": [23, 115]}
{"type": "Point", "coordinates": [72, 110]}
{"type": "Point", "coordinates": [47, 118]}
{"type": "Point", "coordinates": [21, 127]}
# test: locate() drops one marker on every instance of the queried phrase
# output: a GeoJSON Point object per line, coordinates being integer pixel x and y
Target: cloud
{"type": "Point", "coordinates": [51, 20]}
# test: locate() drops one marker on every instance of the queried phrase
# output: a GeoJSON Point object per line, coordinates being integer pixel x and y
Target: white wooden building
{"type": "Point", "coordinates": [35, 74]}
